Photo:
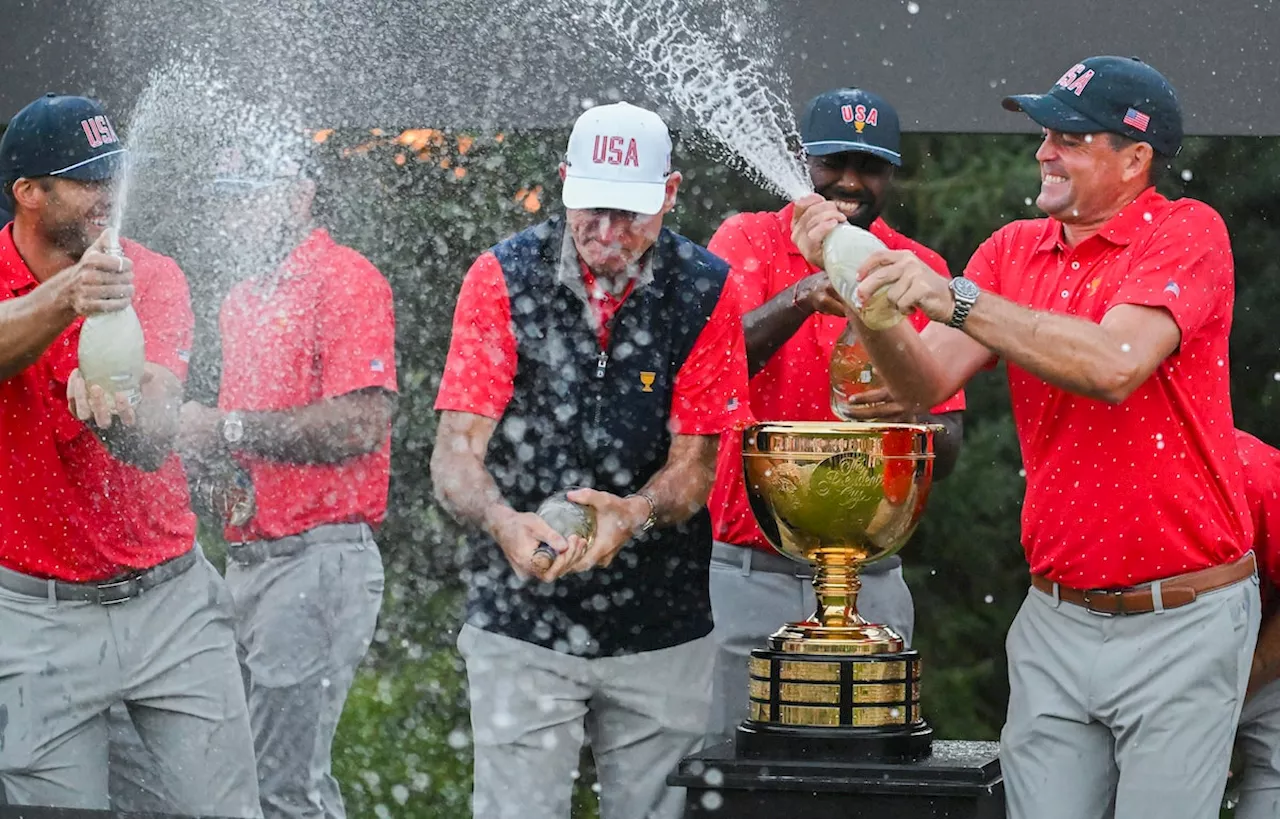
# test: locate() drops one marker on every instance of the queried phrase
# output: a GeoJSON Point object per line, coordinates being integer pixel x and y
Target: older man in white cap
{"type": "Point", "coordinates": [605, 352]}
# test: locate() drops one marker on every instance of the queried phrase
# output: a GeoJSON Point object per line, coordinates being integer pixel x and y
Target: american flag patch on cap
{"type": "Point", "coordinates": [377, 366]}
{"type": "Point", "coordinates": [1136, 119]}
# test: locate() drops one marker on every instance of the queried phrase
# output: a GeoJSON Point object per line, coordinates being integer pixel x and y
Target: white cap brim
{"type": "Point", "coordinates": [638, 197]}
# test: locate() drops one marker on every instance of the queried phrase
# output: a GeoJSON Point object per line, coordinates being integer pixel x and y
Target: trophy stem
{"type": "Point", "coordinates": [836, 584]}
{"type": "Point", "coordinates": [836, 627]}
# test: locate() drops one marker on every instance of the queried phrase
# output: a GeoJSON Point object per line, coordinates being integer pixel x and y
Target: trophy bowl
{"type": "Point", "coordinates": [836, 495]}
{"type": "Point", "coordinates": [858, 488]}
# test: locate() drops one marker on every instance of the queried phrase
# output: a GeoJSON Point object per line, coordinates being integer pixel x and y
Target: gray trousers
{"type": "Point", "coordinates": [304, 622]}
{"type": "Point", "coordinates": [531, 708]}
{"type": "Point", "coordinates": [1258, 740]}
{"type": "Point", "coordinates": [167, 655]}
{"type": "Point", "coordinates": [753, 594]}
{"type": "Point", "coordinates": [1129, 716]}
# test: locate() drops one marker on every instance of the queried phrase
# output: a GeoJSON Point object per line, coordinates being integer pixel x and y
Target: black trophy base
{"type": "Point", "coordinates": [757, 740]}
{"type": "Point", "coordinates": [959, 780]}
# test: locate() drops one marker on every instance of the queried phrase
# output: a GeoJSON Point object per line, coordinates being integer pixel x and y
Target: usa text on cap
{"type": "Point", "coordinates": [619, 158]}
{"type": "Point", "coordinates": [1119, 95]}
{"type": "Point", "coordinates": [851, 119]}
{"type": "Point", "coordinates": [65, 136]}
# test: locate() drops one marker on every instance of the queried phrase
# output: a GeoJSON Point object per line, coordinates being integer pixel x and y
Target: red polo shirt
{"type": "Point", "coordinates": [1262, 488]}
{"type": "Point", "coordinates": [479, 374]}
{"type": "Point", "coordinates": [323, 325]}
{"type": "Point", "coordinates": [795, 384]}
{"type": "Point", "coordinates": [69, 510]}
{"type": "Point", "coordinates": [1118, 495]}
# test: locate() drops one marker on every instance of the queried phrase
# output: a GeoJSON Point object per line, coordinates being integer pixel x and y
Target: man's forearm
{"type": "Point", "coordinates": [910, 369]}
{"type": "Point", "coordinates": [1072, 353]}
{"type": "Point", "coordinates": [768, 327]}
{"type": "Point", "coordinates": [28, 325]}
{"type": "Point", "coordinates": [465, 489]}
{"type": "Point", "coordinates": [326, 432]}
{"type": "Point", "coordinates": [680, 488]}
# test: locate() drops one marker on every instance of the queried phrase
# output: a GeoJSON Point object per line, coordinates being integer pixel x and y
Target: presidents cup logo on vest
{"type": "Point", "coordinates": [860, 116]}
{"type": "Point", "coordinates": [646, 381]}
{"type": "Point", "coordinates": [99, 131]}
{"type": "Point", "coordinates": [615, 150]}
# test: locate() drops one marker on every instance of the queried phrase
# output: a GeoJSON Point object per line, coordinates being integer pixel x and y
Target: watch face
{"type": "Point", "coordinates": [232, 430]}
{"type": "Point", "coordinates": [964, 288]}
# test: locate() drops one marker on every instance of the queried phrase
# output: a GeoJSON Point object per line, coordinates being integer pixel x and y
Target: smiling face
{"type": "Point", "coordinates": [69, 214]}
{"type": "Point", "coordinates": [856, 181]}
{"type": "Point", "coordinates": [1087, 178]}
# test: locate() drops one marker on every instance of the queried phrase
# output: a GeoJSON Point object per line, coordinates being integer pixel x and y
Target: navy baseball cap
{"type": "Point", "coordinates": [62, 136]}
{"type": "Point", "coordinates": [850, 119]}
{"type": "Point", "coordinates": [1118, 95]}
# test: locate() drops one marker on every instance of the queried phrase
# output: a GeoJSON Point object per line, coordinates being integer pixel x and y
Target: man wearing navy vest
{"type": "Point", "coordinates": [598, 350]}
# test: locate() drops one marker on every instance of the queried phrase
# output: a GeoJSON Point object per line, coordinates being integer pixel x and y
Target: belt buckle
{"type": "Point", "coordinates": [131, 582]}
{"type": "Point", "coordinates": [1091, 594]}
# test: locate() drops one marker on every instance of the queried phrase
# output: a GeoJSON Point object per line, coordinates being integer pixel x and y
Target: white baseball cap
{"type": "Point", "coordinates": [619, 158]}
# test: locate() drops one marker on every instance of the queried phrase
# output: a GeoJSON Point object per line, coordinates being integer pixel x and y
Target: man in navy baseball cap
{"type": "Point", "coordinates": [60, 155]}
{"type": "Point", "coordinates": [853, 141]}
{"type": "Point", "coordinates": [62, 136]}
{"type": "Point", "coordinates": [1117, 95]}
{"type": "Point", "coordinates": [851, 119]}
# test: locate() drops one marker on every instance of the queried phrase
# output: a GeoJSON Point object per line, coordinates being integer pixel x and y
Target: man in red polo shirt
{"type": "Point", "coordinates": [1128, 661]}
{"type": "Point", "coordinates": [94, 503]}
{"type": "Point", "coordinates": [600, 350]}
{"type": "Point", "coordinates": [792, 320]}
{"type": "Point", "coordinates": [301, 441]}
{"type": "Point", "coordinates": [1258, 737]}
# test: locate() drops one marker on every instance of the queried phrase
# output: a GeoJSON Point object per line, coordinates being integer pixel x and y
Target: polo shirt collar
{"type": "Point", "coordinates": [302, 258]}
{"type": "Point", "coordinates": [14, 272]}
{"type": "Point", "coordinates": [1120, 229]}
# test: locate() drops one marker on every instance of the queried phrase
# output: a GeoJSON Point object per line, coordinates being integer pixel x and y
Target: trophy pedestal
{"type": "Point", "coordinates": [838, 693]}
{"type": "Point", "coordinates": [960, 780]}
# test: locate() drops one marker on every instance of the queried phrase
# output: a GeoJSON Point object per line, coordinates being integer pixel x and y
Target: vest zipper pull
{"type": "Point", "coordinates": [601, 363]}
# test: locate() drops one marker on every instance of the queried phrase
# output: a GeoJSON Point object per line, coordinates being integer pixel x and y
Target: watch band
{"type": "Point", "coordinates": [652, 520]}
{"type": "Point", "coordinates": [964, 294]}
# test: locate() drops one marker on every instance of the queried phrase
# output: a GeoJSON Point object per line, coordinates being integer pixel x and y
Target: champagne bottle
{"type": "Point", "coordinates": [852, 373]}
{"type": "Point", "coordinates": [567, 518]}
{"type": "Point", "coordinates": [112, 350]}
{"type": "Point", "coordinates": [844, 251]}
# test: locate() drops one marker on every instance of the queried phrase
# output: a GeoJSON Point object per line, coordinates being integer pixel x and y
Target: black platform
{"type": "Point", "coordinates": [959, 780]}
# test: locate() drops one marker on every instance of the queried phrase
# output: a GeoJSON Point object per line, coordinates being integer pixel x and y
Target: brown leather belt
{"type": "Point", "coordinates": [1170, 593]}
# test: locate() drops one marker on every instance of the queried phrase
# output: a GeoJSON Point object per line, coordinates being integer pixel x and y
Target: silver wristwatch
{"type": "Point", "coordinates": [964, 293]}
{"type": "Point", "coordinates": [231, 428]}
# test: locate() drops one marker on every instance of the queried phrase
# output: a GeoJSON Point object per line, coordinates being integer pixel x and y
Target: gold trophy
{"type": "Point", "coordinates": [836, 495]}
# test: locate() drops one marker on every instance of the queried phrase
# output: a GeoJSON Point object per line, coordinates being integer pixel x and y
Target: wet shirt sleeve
{"type": "Point", "coordinates": [479, 373]}
{"type": "Point", "coordinates": [732, 242]}
{"type": "Point", "coordinates": [1185, 267]}
{"type": "Point", "coordinates": [1262, 488]}
{"type": "Point", "coordinates": [357, 330]}
{"type": "Point", "coordinates": [710, 389]}
{"type": "Point", "coordinates": [164, 311]}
